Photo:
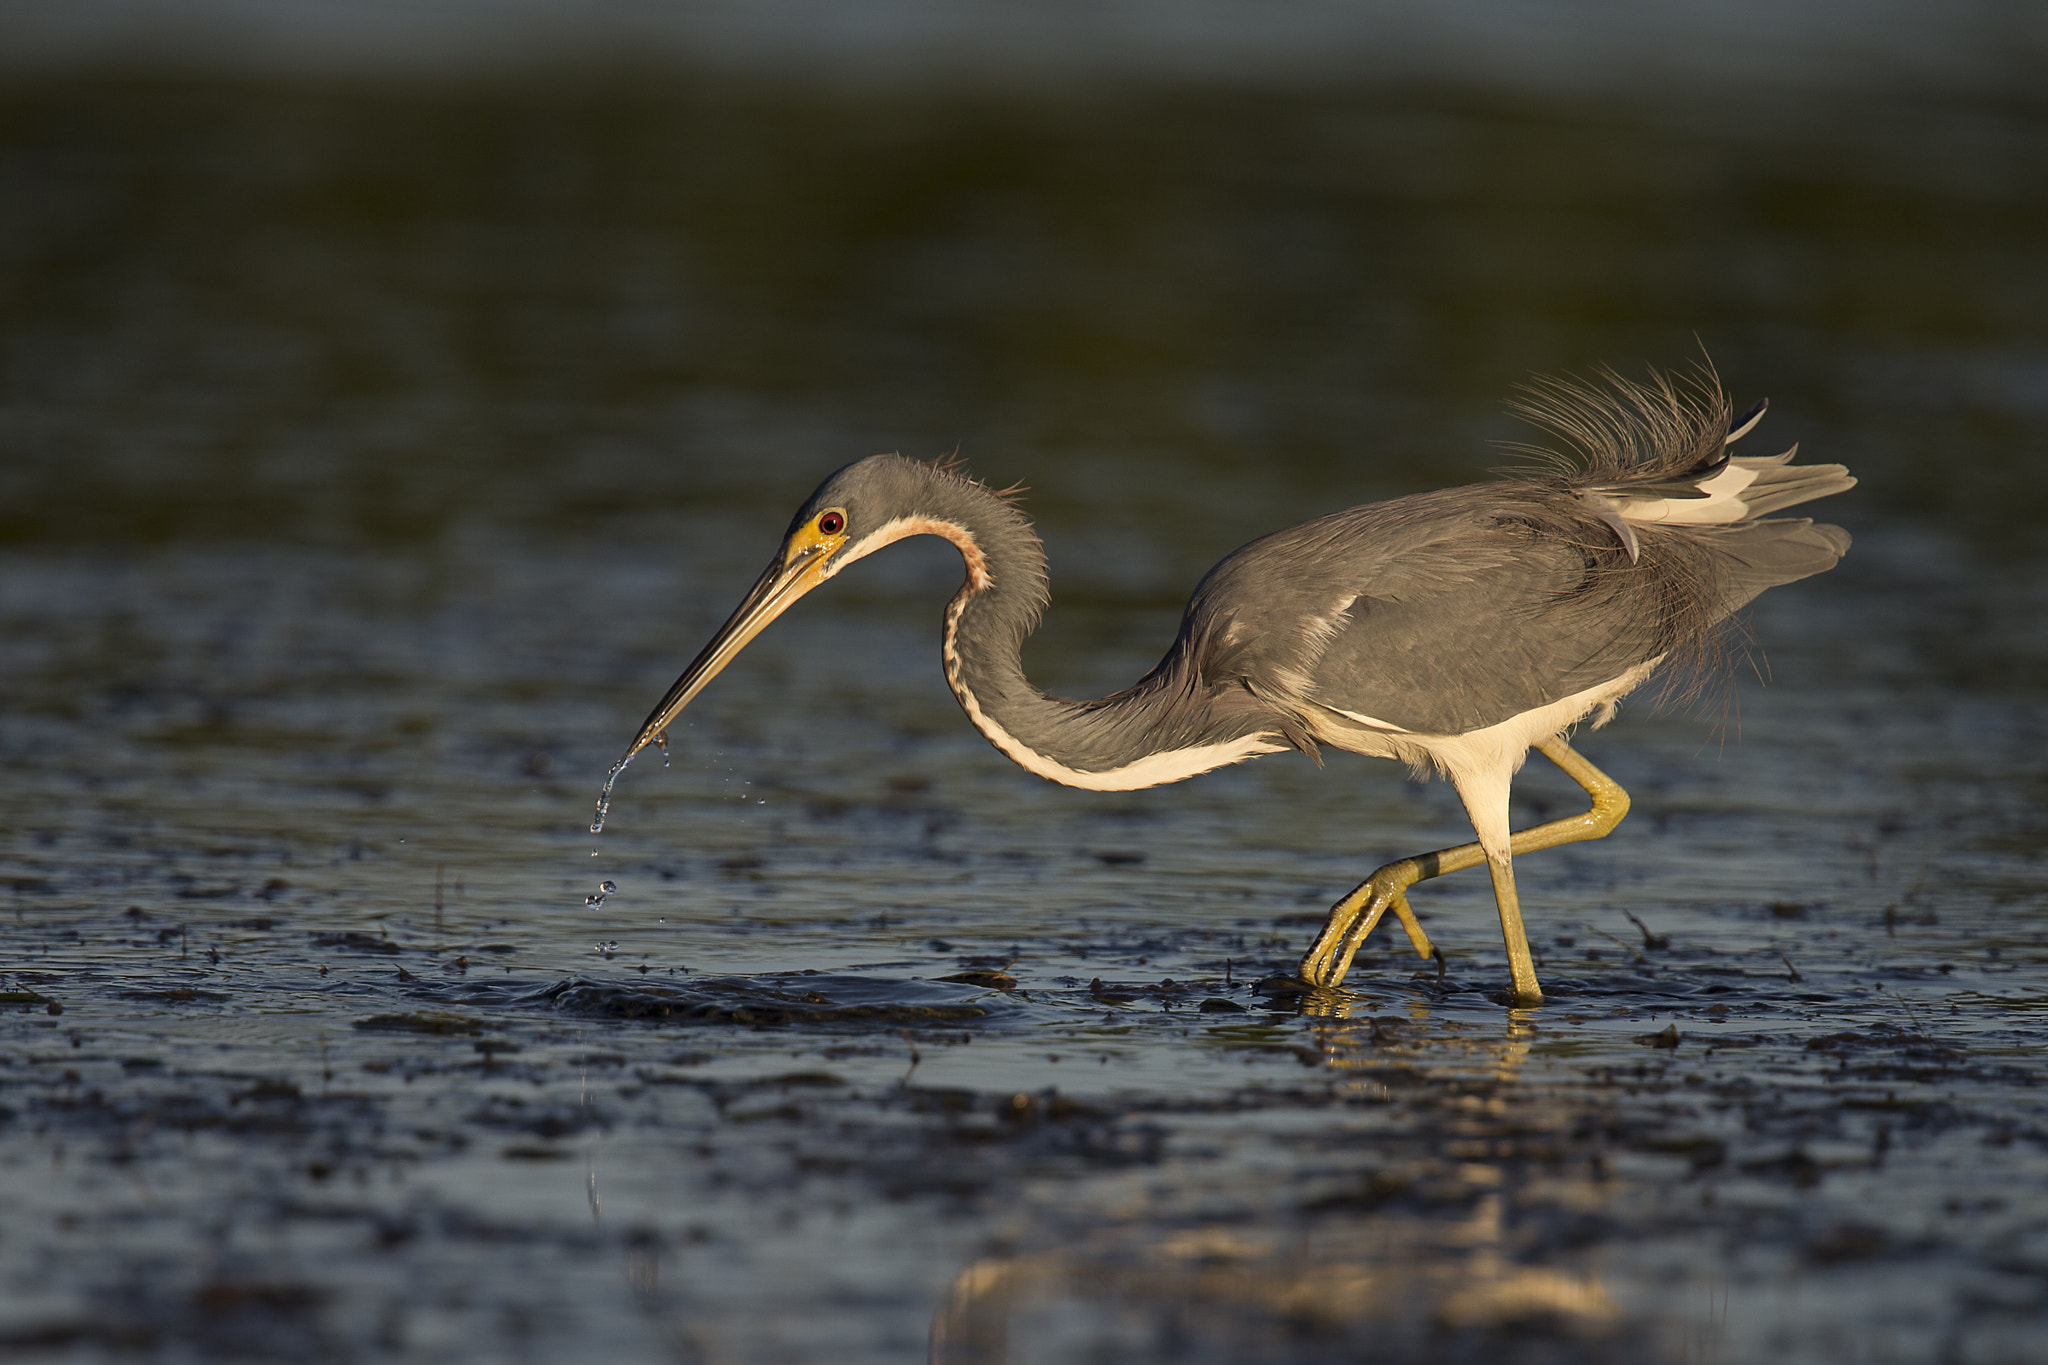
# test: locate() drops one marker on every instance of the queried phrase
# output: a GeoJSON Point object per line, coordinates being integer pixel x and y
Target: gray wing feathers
{"type": "Point", "coordinates": [1536, 620]}
{"type": "Point", "coordinates": [1440, 652]}
{"type": "Point", "coordinates": [1452, 611]}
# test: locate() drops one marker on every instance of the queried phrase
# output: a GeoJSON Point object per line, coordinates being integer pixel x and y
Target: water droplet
{"type": "Point", "coordinates": [661, 743]}
{"type": "Point", "coordinates": [596, 899]}
{"type": "Point", "coordinates": [604, 798]}
{"type": "Point", "coordinates": [607, 948]}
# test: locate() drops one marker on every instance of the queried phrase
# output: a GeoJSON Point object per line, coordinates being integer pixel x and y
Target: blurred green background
{"type": "Point", "coordinates": [483, 354]}
{"type": "Point", "coordinates": [357, 311]}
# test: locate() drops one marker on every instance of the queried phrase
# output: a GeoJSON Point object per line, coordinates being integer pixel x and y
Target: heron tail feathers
{"type": "Point", "coordinates": [1757, 555]}
{"type": "Point", "coordinates": [1779, 483]}
{"type": "Point", "coordinates": [1661, 451]}
{"type": "Point", "coordinates": [1731, 491]}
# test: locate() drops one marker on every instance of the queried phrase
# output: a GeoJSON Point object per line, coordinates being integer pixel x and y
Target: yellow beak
{"type": "Point", "coordinates": [799, 568]}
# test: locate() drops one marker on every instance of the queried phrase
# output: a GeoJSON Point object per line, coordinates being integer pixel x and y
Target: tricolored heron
{"type": "Point", "coordinates": [1453, 630]}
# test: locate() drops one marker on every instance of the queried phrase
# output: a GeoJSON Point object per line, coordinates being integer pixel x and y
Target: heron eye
{"type": "Point", "coordinates": [831, 523]}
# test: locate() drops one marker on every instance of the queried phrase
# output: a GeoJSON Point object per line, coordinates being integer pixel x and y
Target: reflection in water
{"type": "Point", "coordinates": [1245, 1299]}
{"type": "Point", "coordinates": [1412, 1251]}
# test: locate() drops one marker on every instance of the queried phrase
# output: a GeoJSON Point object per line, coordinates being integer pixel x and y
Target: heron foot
{"type": "Point", "coordinates": [1351, 919]}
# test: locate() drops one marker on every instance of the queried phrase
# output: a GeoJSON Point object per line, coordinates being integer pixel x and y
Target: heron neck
{"type": "Point", "coordinates": [1165, 727]}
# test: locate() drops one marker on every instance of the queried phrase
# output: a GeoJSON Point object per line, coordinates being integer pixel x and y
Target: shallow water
{"type": "Point", "coordinates": [376, 458]}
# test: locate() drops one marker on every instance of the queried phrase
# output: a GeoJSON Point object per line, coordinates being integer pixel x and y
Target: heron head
{"type": "Point", "coordinates": [836, 525]}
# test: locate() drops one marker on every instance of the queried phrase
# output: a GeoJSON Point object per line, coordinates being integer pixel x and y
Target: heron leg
{"type": "Point", "coordinates": [1354, 917]}
{"type": "Point", "coordinates": [1521, 962]}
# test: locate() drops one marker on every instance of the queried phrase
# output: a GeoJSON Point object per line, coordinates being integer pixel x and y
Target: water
{"type": "Point", "coordinates": [604, 797]}
{"type": "Point", "coordinates": [376, 454]}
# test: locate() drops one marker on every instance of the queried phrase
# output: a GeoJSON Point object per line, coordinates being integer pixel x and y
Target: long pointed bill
{"type": "Point", "coordinates": [773, 593]}
{"type": "Point", "coordinates": [799, 568]}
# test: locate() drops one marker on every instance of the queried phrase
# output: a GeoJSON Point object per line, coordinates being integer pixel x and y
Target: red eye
{"type": "Point", "coordinates": [831, 523]}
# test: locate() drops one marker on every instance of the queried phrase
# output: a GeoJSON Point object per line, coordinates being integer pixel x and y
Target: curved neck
{"type": "Point", "coordinates": [1168, 726]}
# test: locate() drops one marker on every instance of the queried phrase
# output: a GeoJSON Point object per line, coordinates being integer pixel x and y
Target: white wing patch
{"type": "Point", "coordinates": [1722, 505]}
{"type": "Point", "coordinates": [1373, 721]}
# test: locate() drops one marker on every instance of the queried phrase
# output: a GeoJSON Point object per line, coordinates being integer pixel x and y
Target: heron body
{"type": "Point", "coordinates": [1452, 630]}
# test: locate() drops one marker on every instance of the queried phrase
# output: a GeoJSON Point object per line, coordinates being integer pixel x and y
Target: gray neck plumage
{"type": "Point", "coordinates": [1170, 724]}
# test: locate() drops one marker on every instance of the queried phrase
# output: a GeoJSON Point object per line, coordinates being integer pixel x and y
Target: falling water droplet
{"type": "Point", "coordinates": [661, 743]}
{"type": "Point", "coordinates": [604, 889]}
{"type": "Point", "coordinates": [604, 798]}
{"type": "Point", "coordinates": [608, 948]}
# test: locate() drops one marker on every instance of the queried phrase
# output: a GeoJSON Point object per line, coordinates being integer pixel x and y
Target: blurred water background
{"type": "Point", "coordinates": [392, 399]}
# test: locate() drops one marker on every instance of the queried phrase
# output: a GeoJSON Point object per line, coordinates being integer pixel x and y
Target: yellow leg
{"type": "Point", "coordinates": [1352, 918]}
{"type": "Point", "coordinates": [1521, 964]}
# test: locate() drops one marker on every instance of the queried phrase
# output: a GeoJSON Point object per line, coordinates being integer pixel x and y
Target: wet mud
{"type": "Point", "coordinates": [236, 1137]}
